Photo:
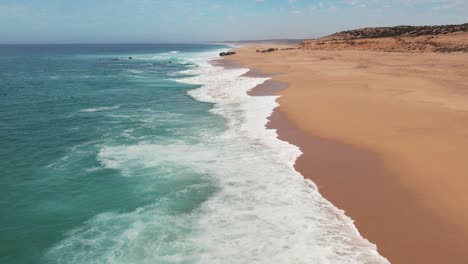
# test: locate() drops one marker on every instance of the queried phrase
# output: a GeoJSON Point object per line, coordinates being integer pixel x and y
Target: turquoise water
{"type": "Point", "coordinates": [162, 158]}
{"type": "Point", "coordinates": [60, 106]}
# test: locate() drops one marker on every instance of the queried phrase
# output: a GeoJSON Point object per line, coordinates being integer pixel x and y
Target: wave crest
{"type": "Point", "coordinates": [99, 109]}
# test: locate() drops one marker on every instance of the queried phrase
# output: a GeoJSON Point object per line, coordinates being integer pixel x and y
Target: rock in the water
{"type": "Point", "coordinates": [130, 58]}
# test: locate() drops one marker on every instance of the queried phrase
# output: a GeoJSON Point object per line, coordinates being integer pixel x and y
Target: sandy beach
{"type": "Point", "coordinates": [385, 138]}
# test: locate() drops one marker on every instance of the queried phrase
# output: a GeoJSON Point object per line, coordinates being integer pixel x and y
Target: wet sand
{"type": "Point", "coordinates": [336, 111]}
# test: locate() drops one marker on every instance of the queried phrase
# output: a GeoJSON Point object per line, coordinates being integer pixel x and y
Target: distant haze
{"type": "Point", "coordinates": [158, 21]}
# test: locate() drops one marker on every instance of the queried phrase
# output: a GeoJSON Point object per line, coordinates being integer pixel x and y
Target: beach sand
{"type": "Point", "coordinates": [385, 138]}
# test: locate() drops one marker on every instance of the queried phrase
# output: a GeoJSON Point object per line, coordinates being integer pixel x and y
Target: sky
{"type": "Point", "coordinates": [181, 21]}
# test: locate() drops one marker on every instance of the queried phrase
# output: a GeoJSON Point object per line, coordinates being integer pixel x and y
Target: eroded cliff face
{"type": "Point", "coordinates": [447, 38]}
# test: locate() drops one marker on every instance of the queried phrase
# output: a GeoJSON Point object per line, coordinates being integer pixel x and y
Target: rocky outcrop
{"type": "Point", "coordinates": [268, 50]}
{"type": "Point", "coordinates": [447, 38]}
{"type": "Point", "coordinates": [274, 49]}
{"type": "Point", "coordinates": [228, 53]}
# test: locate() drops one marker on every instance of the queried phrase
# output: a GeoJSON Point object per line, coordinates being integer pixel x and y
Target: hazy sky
{"type": "Point", "coordinates": [144, 21]}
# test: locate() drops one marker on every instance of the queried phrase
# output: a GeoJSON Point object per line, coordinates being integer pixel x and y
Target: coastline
{"type": "Point", "coordinates": [272, 208]}
{"type": "Point", "coordinates": [361, 182]}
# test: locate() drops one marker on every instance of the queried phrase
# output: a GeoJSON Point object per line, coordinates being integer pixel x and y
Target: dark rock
{"type": "Point", "coordinates": [222, 54]}
{"type": "Point", "coordinates": [269, 50]}
{"type": "Point", "coordinates": [130, 58]}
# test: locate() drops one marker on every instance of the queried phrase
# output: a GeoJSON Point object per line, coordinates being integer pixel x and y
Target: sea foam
{"type": "Point", "coordinates": [99, 109]}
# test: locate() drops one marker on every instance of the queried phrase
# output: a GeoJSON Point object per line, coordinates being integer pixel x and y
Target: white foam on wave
{"type": "Point", "coordinates": [135, 71]}
{"type": "Point", "coordinates": [130, 159]}
{"type": "Point", "coordinates": [170, 58]}
{"type": "Point", "coordinates": [99, 109]}
{"type": "Point", "coordinates": [140, 236]}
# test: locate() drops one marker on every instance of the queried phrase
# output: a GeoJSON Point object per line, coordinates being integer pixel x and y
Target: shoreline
{"type": "Point", "coordinates": [359, 181]}
{"type": "Point", "coordinates": [294, 221]}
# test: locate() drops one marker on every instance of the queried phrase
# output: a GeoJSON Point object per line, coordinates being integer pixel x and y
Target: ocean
{"type": "Point", "coordinates": [157, 158]}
